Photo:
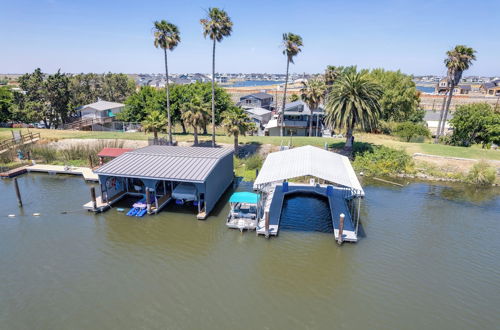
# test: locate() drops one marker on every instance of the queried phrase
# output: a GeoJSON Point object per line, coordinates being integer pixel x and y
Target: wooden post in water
{"type": "Point", "coordinates": [148, 201]}
{"type": "Point", "coordinates": [341, 228]}
{"type": "Point", "coordinates": [18, 193]}
{"type": "Point", "coordinates": [256, 172]}
{"type": "Point", "coordinates": [92, 196]}
{"type": "Point", "coordinates": [266, 224]}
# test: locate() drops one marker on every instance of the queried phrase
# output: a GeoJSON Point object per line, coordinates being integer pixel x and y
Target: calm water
{"type": "Point", "coordinates": [250, 83]}
{"type": "Point", "coordinates": [426, 89]}
{"type": "Point", "coordinates": [317, 218]}
{"type": "Point", "coordinates": [429, 260]}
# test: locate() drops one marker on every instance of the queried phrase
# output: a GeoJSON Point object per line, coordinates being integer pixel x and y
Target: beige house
{"type": "Point", "coordinates": [443, 86]}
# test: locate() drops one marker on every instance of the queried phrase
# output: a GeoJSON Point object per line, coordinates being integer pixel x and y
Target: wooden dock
{"type": "Point", "coordinates": [337, 202]}
{"type": "Point", "coordinates": [86, 172]}
{"type": "Point", "coordinates": [102, 206]}
{"type": "Point", "coordinates": [13, 172]}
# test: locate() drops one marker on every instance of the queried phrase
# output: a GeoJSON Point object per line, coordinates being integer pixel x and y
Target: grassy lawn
{"type": "Point", "coordinates": [377, 139]}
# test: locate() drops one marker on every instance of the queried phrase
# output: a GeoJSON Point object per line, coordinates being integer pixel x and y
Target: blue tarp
{"type": "Point", "coordinates": [244, 197]}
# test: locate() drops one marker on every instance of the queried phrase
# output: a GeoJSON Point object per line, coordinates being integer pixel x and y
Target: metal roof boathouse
{"type": "Point", "coordinates": [330, 175]}
{"type": "Point", "coordinates": [197, 175]}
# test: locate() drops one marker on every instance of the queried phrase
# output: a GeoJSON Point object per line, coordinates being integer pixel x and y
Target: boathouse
{"type": "Point", "coordinates": [196, 175]}
{"type": "Point", "coordinates": [326, 174]}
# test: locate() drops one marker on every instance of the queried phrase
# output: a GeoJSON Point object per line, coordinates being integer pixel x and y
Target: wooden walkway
{"type": "Point", "coordinates": [86, 172]}
{"type": "Point", "coordinates": [13, 172]}
{"type": "Point", "coordinates": [103, 206]}
{"type": "Point", "coordinates": [337, 202]}
{"type": "Point", "coordinates": [17, 140]}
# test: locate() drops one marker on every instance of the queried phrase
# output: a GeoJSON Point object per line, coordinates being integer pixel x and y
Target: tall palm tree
{"type": "Point", "coordinates": [291, 48]}
{"type": "Point", "coordinates": [353, 100]}
{"type": "Point", "coordinates": [312, 93]}
{"type": "Point", "coordinates": [236, 122]}
{"type": "Point", "coordinates": [457, 61]}
{"type": "Point", "coordinates": [167, 37]}
{"type": "Point", "coordinates": [154, 122]}
{"type": "Point", "coordinates": [217, 25]}
{"type": "Point", "coordinates": [195, 114]}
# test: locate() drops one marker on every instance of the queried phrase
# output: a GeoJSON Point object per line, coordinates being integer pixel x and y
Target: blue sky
{"type": "Point", "coordinates": [101, 36]}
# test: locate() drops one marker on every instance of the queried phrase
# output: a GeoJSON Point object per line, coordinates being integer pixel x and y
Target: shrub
{"type": "Point", "coordinates": [383, 161]}
{"type": "Point", "coordinates": [475, 123]}
{"type": "Point", "coordinates": [47, 153]}
{"type": "Point", "coordinates": [253, 162]}
{"type": "Point", "coordinates": [409, 130]}
{"type": "Point", "coordinates": [481, 174]}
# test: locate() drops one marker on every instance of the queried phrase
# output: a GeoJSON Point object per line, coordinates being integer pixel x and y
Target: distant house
{"type": "Point", "coordinates": [259, 116]}
{"type": "Point", "coordinates": [100, 109]}
{"type": "Point", "coordinates": [491, 88]}
{"type": "Point", "coordinates": [296, 121]}
{"type": "Point", "coordinates": [257, 100]}
{"type": "Point", "coordinates": [443, 86]}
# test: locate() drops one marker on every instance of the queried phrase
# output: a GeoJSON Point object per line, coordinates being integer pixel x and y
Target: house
{"type": "Point", "coordinates": [257, 100]}
{"type": "Point", "coordinates": [491, 88]}
{"type": "Point", "coordinates": [100, 109]}
{"type": "Point", "coordinates": [192, 176]}
{"type": "Point", "coordinates": [259, 116]}
{"type": "Point", "coordinates": [443, 86]}
{"type": "Point", "coordinates": [296, 120]}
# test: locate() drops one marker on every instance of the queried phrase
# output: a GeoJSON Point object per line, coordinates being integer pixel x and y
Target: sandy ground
{"type": "Point", "coordinates": [452, 164]}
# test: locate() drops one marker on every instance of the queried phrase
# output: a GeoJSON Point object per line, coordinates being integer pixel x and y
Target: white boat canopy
{"type": "Point", "coordinates": [308, 161]}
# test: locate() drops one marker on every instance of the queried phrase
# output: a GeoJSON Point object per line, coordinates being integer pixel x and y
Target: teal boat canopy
{"type": "Point", "coordinates": [244, 197]}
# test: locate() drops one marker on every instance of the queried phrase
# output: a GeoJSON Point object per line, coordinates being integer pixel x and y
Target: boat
{"type": "Point", "coordinates": [244, 212]}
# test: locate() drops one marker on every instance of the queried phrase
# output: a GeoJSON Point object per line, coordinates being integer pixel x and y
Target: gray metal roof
{"type": "Point", "coordinates": [260, 96]}
{"type": "Point", "coordinates": [191, 164]}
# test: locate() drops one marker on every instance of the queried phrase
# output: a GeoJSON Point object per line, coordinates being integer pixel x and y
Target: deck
{"type": "Point", "coordinates": [102, 206]}
{"type": "Point", "coordinates": [86, 172]}
{"type": "Point", "coordinates": [274, 204]}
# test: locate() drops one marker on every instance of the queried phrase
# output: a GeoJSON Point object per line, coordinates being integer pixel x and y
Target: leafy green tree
{"type": "Point", "coordinates": [217, 25]}
{"type": "Point", "coordinates": [293, 98]}
{"type": "Point", "coordinates": [353, 100]}
{"type": "Point", "coordinates": [291, 48]}
{"type": "Point", "coordinates": [154, 122]}
{"type": "Point", "coordinates": [475, 123]}
{"type": "Point", "coordinates": [400, 99]}
{"type": "Point", "coordinates": [167, 37]}
{"type": "Point", "coordinates": [195, 114]}
{"type": "Point", "coordinates": [312, 93]}
{"type": "Point", "coordinates": [32, 102]}
{"type": "Point", "coordinates": [236, 122]}
{"type": "Point", "coordinates": [409, 130]}
{"type": "Point", "coordinates": [57, 97]}
{"type": "Point", "coordinates": [6, 104]}
{"type": "Point", "coordinates": [457, 61]}
{"type": "Point", "coordinates": [86, 88]}
{"type": "Point", "coordinates": [138, 104]}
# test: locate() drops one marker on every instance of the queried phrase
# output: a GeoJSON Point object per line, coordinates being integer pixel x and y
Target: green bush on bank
{"type": "Point", "coordinates": [383, 161]}
{"type": "Point", "coordinates": [481, 174]}
{"type": "Point", "coordinates": [408, 131]}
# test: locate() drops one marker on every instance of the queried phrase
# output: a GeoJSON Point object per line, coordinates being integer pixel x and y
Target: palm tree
{"type": "Point", "coordinates": [312, 93]}
{"type": "Point", "coordinates": [217, 25]}
{"type": "Point", "coordinates": [353, 100]}
{"type": "Point", "coordinates": [457, 61]}
{"type": "Point", "coordinates": [236, 122]}
{"type": "Point", "coordinates": [291, 48]}
{"type": "Point", "coordinates": [195, 114]}
{"type": "Point", "coordinates": [154, 122]}
{"type": "Point", "coordinates": [167, 36]}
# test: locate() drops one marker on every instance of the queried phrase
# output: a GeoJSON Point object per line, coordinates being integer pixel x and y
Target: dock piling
{"type": "Point", "coordinates": [18, 193]}
{"type": "Point", "coordinates": [92, 195]}
{"type": "Point", "coordinates": [341, 228]}
{"type": "Point", "coordinates": [148, 201]}
{"type": "Point", "coordinates": [266, 224]}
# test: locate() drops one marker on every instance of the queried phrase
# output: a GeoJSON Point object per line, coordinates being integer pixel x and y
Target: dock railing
{"type": "Point", "coordinates": [19, 139]}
